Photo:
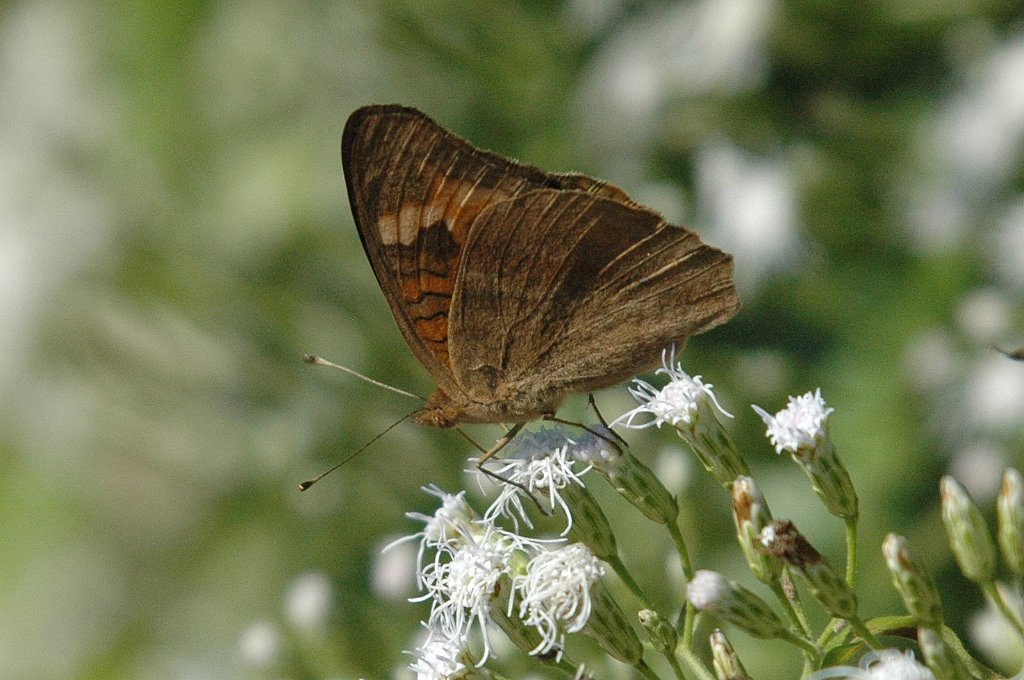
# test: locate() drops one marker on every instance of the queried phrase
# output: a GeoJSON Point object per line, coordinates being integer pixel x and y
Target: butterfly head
{"type": "Point", "coordinates": [440, 411]}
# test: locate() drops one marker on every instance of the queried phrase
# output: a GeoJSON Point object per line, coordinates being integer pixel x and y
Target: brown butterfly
{"type": "Point", "coordinates": [515, 287]}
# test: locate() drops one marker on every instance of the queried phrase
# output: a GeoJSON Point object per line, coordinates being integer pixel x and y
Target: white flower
{"type": "Point", "coordinates": [708, 589]}
{"type": "Point", "coordinates": [439, 658]}
{"type": "Point", "coordinates": [542, 473]}
{"type": "Point", "coordinates": [889, 664]}
{"type": "Point", "coordinates": [449, 520]}
{"type": "Point", "coordinates": [677, 402]}
{"type": "Point", "coordinates": [454, 519]}
{"type": "Point", "coordinates": [555, 593]}
{"type": "Point", "coordinates": [802, 425]}
{"type": "Point", "coordinates": [463, 581]}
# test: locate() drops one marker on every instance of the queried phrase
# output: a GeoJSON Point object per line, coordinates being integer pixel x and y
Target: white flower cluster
{"type": "Point", "coordinates": [801, 425]}
{"type": "Point", "coordinates": [678, 402]}
{"type": "Point", "coordinates": [479, 574]}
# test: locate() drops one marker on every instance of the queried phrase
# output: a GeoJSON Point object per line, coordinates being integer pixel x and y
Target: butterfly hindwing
{"type": "Point", "coordinates": [571, 292]}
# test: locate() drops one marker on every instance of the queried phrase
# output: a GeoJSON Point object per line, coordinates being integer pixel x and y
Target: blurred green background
{"type": "Point", "coordinates": [174, 235]}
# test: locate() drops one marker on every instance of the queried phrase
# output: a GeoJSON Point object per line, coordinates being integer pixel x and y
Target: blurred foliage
{"type": "Point", "coordinates": [176, 235]}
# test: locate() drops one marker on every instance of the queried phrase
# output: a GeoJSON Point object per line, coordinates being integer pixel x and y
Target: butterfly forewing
{"type": "Point", "coordinates": [415, 189]}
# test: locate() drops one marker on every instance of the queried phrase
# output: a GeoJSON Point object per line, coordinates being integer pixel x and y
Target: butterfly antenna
{"type": "Point", "coordinates": [310, 482]}
{"type": "Point", "coordinates": [319, 361]}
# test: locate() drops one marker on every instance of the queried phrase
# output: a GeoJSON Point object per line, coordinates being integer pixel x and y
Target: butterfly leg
{"type": "Point", "coordinates": [490, 453]}
{"type": "Point", "coordinates": [572, 423]}
{"type": "Point", "coordinates": [498, 446]}
{"type": "Point", "coordinates": [597, 412]}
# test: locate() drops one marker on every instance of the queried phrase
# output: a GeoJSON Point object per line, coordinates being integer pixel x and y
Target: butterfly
{"type": "Point", "coordinates": [515, 287]}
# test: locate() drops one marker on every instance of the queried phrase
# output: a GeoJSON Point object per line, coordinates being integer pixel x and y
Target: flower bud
{"type": "Point", "coordinates": [610, 628]}
{"type": "Point", "coordinates": [712, 444]}
{"type": "Point", "coordinates": [724, 660]}
{"type": "Point", "coordinates": [782, 540]}
{"type": "Point", "coordinates": [751, 514]}
{"type": "Point", "coordinates": [939, 657]}
{"type": "Point", "coordinates": [912, 582]}
{"type": "Point", "coordinates": [526, 638]}
{"type": "Point", "coordinates": [711, 592]}
{"type": "Point", "coordinates": [659, 631]}
{"type": "Point", "coordinates": [637, 484]}
{"type": "Point", "coordinates": [589, 524]}
{"type": "Point", "coordinates": [1010, 520]}
{"type": "Point", "coordinates": [689, 405]}
{"type": "Point", "coordinates": [969, 537]}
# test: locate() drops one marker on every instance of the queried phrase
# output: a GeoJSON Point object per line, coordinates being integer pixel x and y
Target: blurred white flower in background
{"type": "Point", "coordinates": [930, 359]}
{"type": "Point", "coordinates": [994, 398]}
{"type": "Point", "coordinates": [393, 575]}
{"type": "Point", "coordinates": [1006, 243]}
{"type": "Point", "coordinates": [260, 644]}
{"type": "Point", "coordinates": [57, 109]}
{"type": "Point", "coordinates": [709, 47]}
{"type": "Point", "coordinates": [750, 205]}
{"type": "Point", "coordinates": [970, 151]}
{"type": "Point", "coordinates": [992, 634]}
{"type": "Point", "coordinates": [308, 601]}
{"type": "Point", "coordinates": [981, 132]}
{"type": "Point", "coordinates": [984, 316]}
{"type": "Point", "coordinates": [979, 466]}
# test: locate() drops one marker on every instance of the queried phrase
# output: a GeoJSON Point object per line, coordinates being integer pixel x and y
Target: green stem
{"type": "Point", "coordinates": [615, 562]}
{"type": "Point", "coordinates": [794, 611]}
{"type": "Point", "coordinates": [994, 596]}
{"type": "Point", "coordinates": [646, 671]}
{"type": "Point", "coordinates": [690, 618]}
{"type": "Point", "coordinates": [810, 651]}
{"type": "Point", "coordinates": [796, 616]}
{"type": "Point", "coordinates": [866, 635]}
{"type": "Point", "coordinates": [695, 665]}
{"type": "Point", "coordinates": [676, 668]}
{"type": "Point", "coordinates": [684, 554]}
{"type": "Point", "coordinates": [851, 550]}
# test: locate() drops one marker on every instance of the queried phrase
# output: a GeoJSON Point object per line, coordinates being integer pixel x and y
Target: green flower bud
{"type": "Point", "coordinates": [637, 484]}
{"type": "Point", "coordinates": [751, 514]}
{"type": "Point", "coordinates": [526, 638]}
{"type": "Point", "coordinates": [781, 539]}
{"type": "Point", "coordinates": [1010, 516]}
{"type": "Point", "coordinates": [659, 631]}
{"type": "Point", "coordinates": [802, 429]}
{"type": "Point", "coordinates": [689, 405]}
{"type": "Point", "coordinates": [969, 537]}
{"type": "Point", "coordinates": [912, 582]}
{"type": "Point", "coordinates": [610, 628]}
{"type": "Point", "coordinates": [711, 443]}
{"type": "Point", "coordinates": [589, 524]}
{"type": "Point", "coordinates": [724, 660]}
{"type": "Point", "coordinates": [711, 592]}
{"type": "Point", "coordinates": [940, 659]}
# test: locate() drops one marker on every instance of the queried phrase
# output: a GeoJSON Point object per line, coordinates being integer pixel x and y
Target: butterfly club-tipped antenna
{"type": "Point", "coordinates": [320, 361]}
{"type": "Point", "coordinates": [310, 482]}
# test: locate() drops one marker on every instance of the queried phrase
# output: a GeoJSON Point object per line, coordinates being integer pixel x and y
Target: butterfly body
{"type": "Point", "coordinates": [515, 287]}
